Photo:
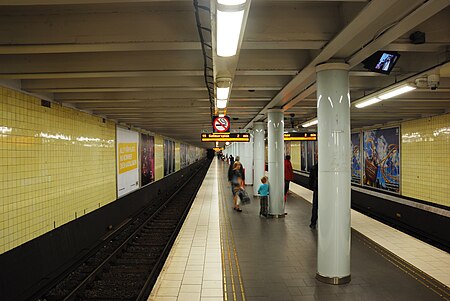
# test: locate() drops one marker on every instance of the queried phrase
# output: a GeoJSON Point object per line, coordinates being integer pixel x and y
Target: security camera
{"type": "Point", "coordinates": [433, 81]}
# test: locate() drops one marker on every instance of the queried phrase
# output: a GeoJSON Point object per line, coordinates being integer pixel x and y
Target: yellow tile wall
{"type": "Point", "coordinates": [177, 156]}
{"type": "Point", "coordinates": [295, 155]}
{"type": "Point", "coordinates": [159, 157]}
{"type": "Point", "coordinates": [56, 164]}
{"type": "Point", "coordinates": [425, 156]}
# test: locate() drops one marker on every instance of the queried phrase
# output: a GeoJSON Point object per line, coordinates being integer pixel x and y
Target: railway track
{"type": "Point", "coordinates": [127, 265]}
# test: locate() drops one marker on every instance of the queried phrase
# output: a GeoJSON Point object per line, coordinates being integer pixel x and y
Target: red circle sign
{"type": "Point", "coordinates": [221, 124]}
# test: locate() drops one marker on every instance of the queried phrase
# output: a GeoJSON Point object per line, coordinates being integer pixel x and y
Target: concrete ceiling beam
{"type": "Point", "coordinates": [370, 13]}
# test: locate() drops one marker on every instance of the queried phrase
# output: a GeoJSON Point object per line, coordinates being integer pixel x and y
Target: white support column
{"type": "Point", "coordinates": [247, 160]}
{"type": "Point", "coordinates": [275, 130]}
{"type": "Point", "coordinates": [258, 154]}
{"type": "Point", "coordinates": [333, 112]}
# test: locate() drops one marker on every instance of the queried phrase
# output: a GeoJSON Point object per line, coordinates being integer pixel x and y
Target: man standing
{"type": "Point", "coordinates": [288, 175]}
{"type": "Point", "coordinates": [231, 161]}
{"type": "Point", "coordinates": [314, 185]}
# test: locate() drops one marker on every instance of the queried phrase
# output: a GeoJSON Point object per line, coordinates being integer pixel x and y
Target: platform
{"type": "Point", "coordinates": [247, 257]}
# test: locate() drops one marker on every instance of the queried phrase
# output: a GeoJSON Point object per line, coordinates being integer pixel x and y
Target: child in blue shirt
{"type": "Point", "coordinates": [263, 192]}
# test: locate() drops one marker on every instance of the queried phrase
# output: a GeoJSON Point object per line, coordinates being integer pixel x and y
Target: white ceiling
{"type": "Point", "coordinates": [141, 62]}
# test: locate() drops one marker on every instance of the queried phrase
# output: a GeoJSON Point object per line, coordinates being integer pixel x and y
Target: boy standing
{"type": "Point", "coordinates": [263, 192]}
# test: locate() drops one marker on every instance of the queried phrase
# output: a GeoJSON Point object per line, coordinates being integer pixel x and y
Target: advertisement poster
{"type": "Point", "coordinates": [169, 157]}
{"type": "Point", "coordinates": [310, 155]}
{"type": "Point", "coordinates": [382, 159]}
{"type": "Point", "coordinates": [303, 155]}
{"type": "Point", "coordinates": [127, 161]}
{"type": "Point", "coordinates": [356, 158]}
{"type": "Point", "coordinates": [191, 154]}
{"type": "Point", "coordinates": [183, 155]}
{"type": "Point", "coordinates": [287, 148]}
{"type": "Point", "coordinates": [147, 159]}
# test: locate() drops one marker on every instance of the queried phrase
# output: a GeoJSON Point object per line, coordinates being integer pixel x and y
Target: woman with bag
{"type": "Point", "coordinates": [236, 182]}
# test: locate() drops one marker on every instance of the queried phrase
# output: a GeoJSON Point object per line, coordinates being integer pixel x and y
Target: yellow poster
{"type": "Point", "coordinates": [127, 157]}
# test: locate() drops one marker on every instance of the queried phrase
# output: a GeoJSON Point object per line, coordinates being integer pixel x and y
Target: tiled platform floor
{"type": "Point", "coordinates": [425, 257]}
{"type": "Point", "coordinates": [193, 270]}
{"type": "Point", "coordinates": [277, 257]}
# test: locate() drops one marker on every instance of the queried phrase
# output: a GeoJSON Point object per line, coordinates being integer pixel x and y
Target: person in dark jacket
{"type": "Point", "coordinates": [314, 185]}
{"type": "Point", "coordinates": [288, 175]}
{"type": "Point", "coordinates": [231, 158]}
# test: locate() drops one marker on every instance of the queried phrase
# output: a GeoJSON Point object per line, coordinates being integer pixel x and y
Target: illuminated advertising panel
{"type": "Point", "coordinates": [127, 161]}
{"type": "Point", "coordinates": [382, 159]}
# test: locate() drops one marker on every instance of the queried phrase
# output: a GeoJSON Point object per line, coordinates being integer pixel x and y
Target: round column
{"type": "Point", "coordinates": [238, 149]}
{"type": "Point", "coordinates": [333, 113]}
{"type": "Point", "coordinates": [275, 131]}
{"type": "Point", "coordinates": [258, 154]}
{"type": "Point", "coordinates": [247, 160]}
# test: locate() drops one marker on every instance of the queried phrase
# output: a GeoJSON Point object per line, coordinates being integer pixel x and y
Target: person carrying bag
{"type": "Point", "coordinates": [236, 184]}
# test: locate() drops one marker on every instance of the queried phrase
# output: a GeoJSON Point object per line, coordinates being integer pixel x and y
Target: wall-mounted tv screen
{"type": "Point", "coordinates": [381, 61]}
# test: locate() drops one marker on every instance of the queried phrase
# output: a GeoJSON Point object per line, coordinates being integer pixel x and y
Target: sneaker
{"type": "Point", "coordinates": [239, 210]}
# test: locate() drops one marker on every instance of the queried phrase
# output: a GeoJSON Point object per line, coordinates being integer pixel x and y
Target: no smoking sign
{"type": "Point", "coordinates": [221, 124]}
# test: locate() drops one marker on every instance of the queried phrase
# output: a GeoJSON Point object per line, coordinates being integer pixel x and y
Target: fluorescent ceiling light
{"type": "Point", "coordinates": [228, 32]}
{"type": "Point", "coordinates": [367, 102]}
{"type": "Point", "coordinates": [310, 123]}
{"type": "Point", "coordinates": [377, 97]}
{"type": "Point", "coordinates": [231, 2]}
{"type": "Point", "coordinates": [221, 103]}
{"type": "Point", "coordinates": [397, 91]}
{"type": "Point", "coordinates": [222, 93]}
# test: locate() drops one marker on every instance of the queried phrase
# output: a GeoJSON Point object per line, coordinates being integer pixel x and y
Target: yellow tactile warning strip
{"type": "Point", "coordinates": [441, 289]}
{"type": "Point", "coordinates": [233, 287]}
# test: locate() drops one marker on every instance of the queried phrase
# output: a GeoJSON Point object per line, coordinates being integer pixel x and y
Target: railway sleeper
{"type": "Point", "coordinates": [119, 269]}
{"type": "Point", "coordinates": [144, 249]}
{"type": "Point", "coordinates": [117, 290]}
{"type": "Point", "coordinates": [134, 261]}
{"type": "Point", "coordinates": [148, 243]}
{"type": "Point", "coordinates": [135, 255]}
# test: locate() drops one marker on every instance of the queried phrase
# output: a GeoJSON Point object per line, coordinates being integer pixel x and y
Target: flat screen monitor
{"type": "Point", "coordinates": [381, 61]}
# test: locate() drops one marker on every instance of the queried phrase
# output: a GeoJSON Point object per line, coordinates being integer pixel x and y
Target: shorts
{"type": "Point", "coordinates": [236, 189]}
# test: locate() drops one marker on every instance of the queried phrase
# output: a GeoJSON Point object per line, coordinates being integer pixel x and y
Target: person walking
{"type": "Point", "coordinates": [230, 171]}
{"type": "Point", "coordinates": [238, 159]}
{"type": "Point", "coordinates": [288, 175]}
{"type": "Point", "coordinates": [236, 184]}
{"type": "Point", "coordinates": [314, 185]}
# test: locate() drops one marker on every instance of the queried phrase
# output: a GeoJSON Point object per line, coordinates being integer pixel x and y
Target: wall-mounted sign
{"type": "Point", "coordinates": [127, 161]}
{"type": "Point", "coordinates": [221, 124]}
{"type": "Point", "coordinates": [224, 137]}
{"type": "Point", "coordinates": [300, 137]}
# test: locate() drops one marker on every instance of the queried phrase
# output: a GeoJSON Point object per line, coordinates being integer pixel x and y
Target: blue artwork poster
{"type": "Point", "coordinates": [382, 159]}
{"type": "Point", "coordinates": [356, 158]}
